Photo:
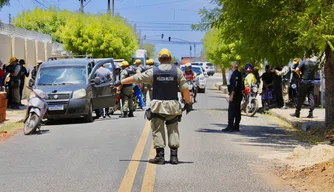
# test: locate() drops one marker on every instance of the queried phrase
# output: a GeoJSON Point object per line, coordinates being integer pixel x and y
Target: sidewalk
{"type": "Point", "coordinates": [302, 123]}
{"type": "Point", "coordinates": [16, 115]}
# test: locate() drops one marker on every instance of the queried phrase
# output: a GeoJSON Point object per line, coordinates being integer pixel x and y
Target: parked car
{"type": "Point", "coordinates": [200, 77]}
{"type": "Point", "coordinates": [208, 67]}
{"type": "Point", "coordinates": [72, 88]}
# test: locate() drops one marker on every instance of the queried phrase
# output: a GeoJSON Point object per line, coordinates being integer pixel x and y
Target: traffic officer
{"type": "Point", "coordinates": [306, 69]}
{"type": "Point", "coordinates": [285, 74]}
{"type": "Point", "coordinates": [148, 87]}
{"type": "Point", "coordinates": [295, 80]}
{"type": "Point", "coordinates": [236, 93]}
{"type": "Point", "coordinates": [165, 107]}
{"type": "Point", "coordinates": [126, 91]}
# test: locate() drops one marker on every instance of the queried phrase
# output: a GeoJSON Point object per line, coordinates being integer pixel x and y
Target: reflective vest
{"type": "Point", "coordinates": [165, 86]}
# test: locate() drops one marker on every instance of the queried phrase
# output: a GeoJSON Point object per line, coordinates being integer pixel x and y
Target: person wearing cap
{"type": "Point", "coordinates": [14, 83]}
{"type": "Point", "coordinates": [23, 75]}
{"type": "Point", "coordinates": [148, 87]}
{"type": "Point", "coordinates": [285, 74]}
{"type": "Point", "coordinates": [104, 74]}
{"type": "Point", "coordinates": [126, 91]}
{"type": "Point", "coordinates": [190, 75]}
{"type": "Point", "coordinates": [295, 81]}
{"type": "Point", "coordinates": [137, 88]}
{"type": "Point", "coordinates": [250, 78]}
{"type": "Point", "coordinates": [306, 70]}
{"type": "Point", "coordinates": [35, 70]}
{"type": "Point", "coordinates": [165, 107]}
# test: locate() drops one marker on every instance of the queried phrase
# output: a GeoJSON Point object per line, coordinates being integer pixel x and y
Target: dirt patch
{"type": "Point", "coordinates": [305, 169]}
{"type": "Point", "coordinates": [9, 129]}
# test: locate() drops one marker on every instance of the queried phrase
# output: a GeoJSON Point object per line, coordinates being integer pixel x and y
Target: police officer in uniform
{"type": "Point", "coordinates": [307, 69]}
{"type": "Point", "coordinates": [165, 107]}
{"type": "Point", "coordinates": [148, 87]}
{"type": "Point", "coordinates": [295, 81]}
{"type": "Point", "coordinates": [236, 93]}
{"type": "Point", "coordinates": [126, 90]}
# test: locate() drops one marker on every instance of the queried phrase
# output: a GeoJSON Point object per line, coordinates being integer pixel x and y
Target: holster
{"type": "Point", "coordinates": [149, 115]}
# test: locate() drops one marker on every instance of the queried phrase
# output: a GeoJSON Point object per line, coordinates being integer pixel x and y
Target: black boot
{"type": "Point", "coordinates": [310, 114]}
{"type": "Point", "coordinates": [296, 114]}
{"type": "Point", "coordinates": [173, 156]}
{"type": "Point", "coordinates": [236, 128]}
{"type": "Point", "coordinates": [159, 158]}
{"type": "Point", "coordinates": [131, 114]}
{"type": "Point", "coordinates": [124, 115]}
{"type": "Point", "coordinates": [229, 128]}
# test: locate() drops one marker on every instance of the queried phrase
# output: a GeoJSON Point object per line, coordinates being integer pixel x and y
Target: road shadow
{"type": "Point", "coordinates": [41, 132]}
{"type": "Point", "coordinates": [146, 161]}
{"type": "Point", "coordinates": [218, 109]}
{"type": "Point", "coordinates": [257, 135]}
{"type": "Point", "coordinates": [64, 121]}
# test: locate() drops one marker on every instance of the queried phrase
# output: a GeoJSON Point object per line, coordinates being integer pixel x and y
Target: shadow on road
{"type": "Point", "coordinates": [257, 135]}
{"type": "Point", "coordinates": [167, 162]}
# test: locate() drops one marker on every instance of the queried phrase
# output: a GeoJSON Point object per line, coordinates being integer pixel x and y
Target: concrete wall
{"type": "Point", "coordinates": [5, 48]}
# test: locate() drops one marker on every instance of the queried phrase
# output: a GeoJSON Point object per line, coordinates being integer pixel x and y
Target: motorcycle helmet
{"type": "Point", "coordinates": [249, 69]}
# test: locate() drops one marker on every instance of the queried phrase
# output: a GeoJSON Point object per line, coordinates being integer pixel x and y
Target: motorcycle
{"type": "Point", "coordinates": [191, 89]}
{"type": "Point", "coordinates": [249, 103]}
{"type": "Point", "coordinates": [36, 109]}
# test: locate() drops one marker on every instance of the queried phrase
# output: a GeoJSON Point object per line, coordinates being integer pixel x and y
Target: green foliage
{"type": "Point", "coordinates": [150, 48]}
{"type": "Point", "coordinates": [97, 35]}
{"type": "Point", "coordinates": [3, 3]}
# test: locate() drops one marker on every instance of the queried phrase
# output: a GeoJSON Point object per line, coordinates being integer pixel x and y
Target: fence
{"type": "Point", "coordinates": [23, 44]}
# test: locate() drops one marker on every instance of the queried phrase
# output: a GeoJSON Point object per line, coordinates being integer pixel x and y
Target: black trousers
{"type": "Point", "coordinates": [234, 114]}
{"type": "Point", "coordinates": [21, 88]}
{"type": "Point", "coordinates": [306, 89]}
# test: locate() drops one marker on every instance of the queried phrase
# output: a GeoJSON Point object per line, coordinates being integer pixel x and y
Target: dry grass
{"type": "Point", "coordinates": [10, 127]}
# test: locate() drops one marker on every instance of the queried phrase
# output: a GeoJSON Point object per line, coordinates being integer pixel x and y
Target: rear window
{"type": "Point", "coordinates": [198, 64]}
{"type": "Point", "coordinates": [209, 64]}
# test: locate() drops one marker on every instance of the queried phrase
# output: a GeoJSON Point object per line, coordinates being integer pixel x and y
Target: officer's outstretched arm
{"type": "Point", "coordinates": [129, 80]}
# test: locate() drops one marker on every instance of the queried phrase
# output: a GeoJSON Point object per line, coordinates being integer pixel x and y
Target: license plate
{"type": "Point", "coordinates": [56, 107]}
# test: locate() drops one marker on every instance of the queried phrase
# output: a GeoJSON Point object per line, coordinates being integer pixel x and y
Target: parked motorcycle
{"type": "Point", "coordinates": [36, 109]}
{"type": "Point", "coordinates": [249, 103]}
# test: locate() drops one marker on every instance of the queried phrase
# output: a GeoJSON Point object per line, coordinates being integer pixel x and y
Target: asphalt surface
{"type": "Point", "coordinates": [111, 154]}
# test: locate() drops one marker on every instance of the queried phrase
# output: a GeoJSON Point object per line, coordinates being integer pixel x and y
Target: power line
{"type": "Point", "coordinates": [87, 3]}
{"type": "Point", "coordinates": [150, 5]}
{"type": "Point", "coordinates": [40, 4]}
{"type": "Point", "coordinates": [21, 4]}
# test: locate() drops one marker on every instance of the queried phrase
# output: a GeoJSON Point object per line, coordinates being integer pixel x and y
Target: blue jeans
{"type": "Point", "coordinates": [139, 96]}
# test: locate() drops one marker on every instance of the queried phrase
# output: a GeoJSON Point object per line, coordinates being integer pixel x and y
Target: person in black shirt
{"type": "Point", "coordinates": [23, 74]}
{"type": "Point", "coordinates": [236, 94]}
{"type": "Point", "coordinates": [295, 81]}
{"type": "Point", "coordinates": [267, 90]}
{"type": "Point", "coordinates": [307, 69]}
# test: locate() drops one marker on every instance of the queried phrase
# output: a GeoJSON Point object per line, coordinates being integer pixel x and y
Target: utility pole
{"type": "Point", "coordinates": [58, 4]}
{"type": "Point", "coordinates": [81, 5]}
{"type": "Point", "coordinates": [194, 49]}
{"type": "Point", "coordinates": [113, 7]}
{"type": "Point", "coordinates": [140, 39]}
{"type": "Point", "coordinates": [10, 19]}
{"type": "Point", "coordinates": [109, 7]}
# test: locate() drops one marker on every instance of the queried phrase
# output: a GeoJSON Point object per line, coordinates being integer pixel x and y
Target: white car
{"type": "Point", "coordinates": [208, 68]}
{"type": "Point", "coordinates": [200, 79]}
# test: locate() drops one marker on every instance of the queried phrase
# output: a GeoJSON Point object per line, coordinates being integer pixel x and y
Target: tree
{"type": "Point", "coordinates": [278, 31]}
{"type": "Point", "coordinates": [174, 59]}
{"type": "Point", "coordinates": [3, 3]}
{"type": "Point", "coordinates": [150, 48]}
{"type": "Point", "coordinates": [97, 35]}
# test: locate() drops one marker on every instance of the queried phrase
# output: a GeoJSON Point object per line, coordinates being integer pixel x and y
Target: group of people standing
{"type": "Point", "coordinates": [295, 82]}
{"type": "Point", "coordinates": [12, 80]}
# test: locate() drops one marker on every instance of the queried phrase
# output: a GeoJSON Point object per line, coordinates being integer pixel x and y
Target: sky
{"type": "Point", "coordinates": [173, 18]}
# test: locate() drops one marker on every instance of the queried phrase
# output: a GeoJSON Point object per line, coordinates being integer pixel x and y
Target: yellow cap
{"type": "Point", "coordinates": [138, 62]}
{"type": "Point", "coordinates": [165, 53]}
{"type": "Point", "coordinates": [150, 62]}
{"type": "Point", "coordinates": [124, 64]}
{"type": "Point", "coordinates": [295, 61]}
{"type": "Point", "coordinates": [13, 59]}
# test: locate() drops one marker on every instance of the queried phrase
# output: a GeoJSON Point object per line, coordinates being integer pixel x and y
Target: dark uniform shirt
{"type": "Point", "coordinates": [308, 69]}
{"type": "Point", "coordinates": [237, 85]}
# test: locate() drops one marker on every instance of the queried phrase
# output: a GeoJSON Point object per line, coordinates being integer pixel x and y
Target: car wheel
{"type": "Point", "coordinates": [89, 116]}
{"type": "Point", "coordinates": [203, 90]}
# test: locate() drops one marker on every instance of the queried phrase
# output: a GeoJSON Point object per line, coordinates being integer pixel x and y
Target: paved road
{"type": "Point", "coordinates": [111, 155]}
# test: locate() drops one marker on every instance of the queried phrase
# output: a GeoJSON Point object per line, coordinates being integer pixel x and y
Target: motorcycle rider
{"type": "Point", "coordinates": [126, 90]}
{"type": "Point", "coordinates": [191, 76]}
{"type": "Point", "coordinates": [250, 78]}
{"type": "Point", "coordinates": [166, 79]}
{"type": "Point", "coordinates": [148, 87]}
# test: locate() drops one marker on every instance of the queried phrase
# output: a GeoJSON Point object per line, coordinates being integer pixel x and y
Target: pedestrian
{"type": "Point", "coordinates": [165, 107]}
{"type": "Point", "coordinates": [14, 83]}
{"type": "Point", "coordinates": [268, 82]}
{"type": "Point", "coordinates": [147, 88]}
{"type": "Point", "coordinates": [34, 73]}
{"type": "Point", "coordinates": [236, 94]}
{"type": "Point", "coordinates": [285, 75]}
{"type": "Point", "coordinates": [295, 81]}
{"type": "Point", "coordinates": [2, 75]}
{"type": "Point", "coordinates": [126, 91]}
{"type": "Point", "coordinates": [307, 70]}
{"type": "Point", "coordinates": [104, 75]}
{"type": "Point", "coordinates": [24, 73]}
{"type": "Point", "coordinates": [278, 88]}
